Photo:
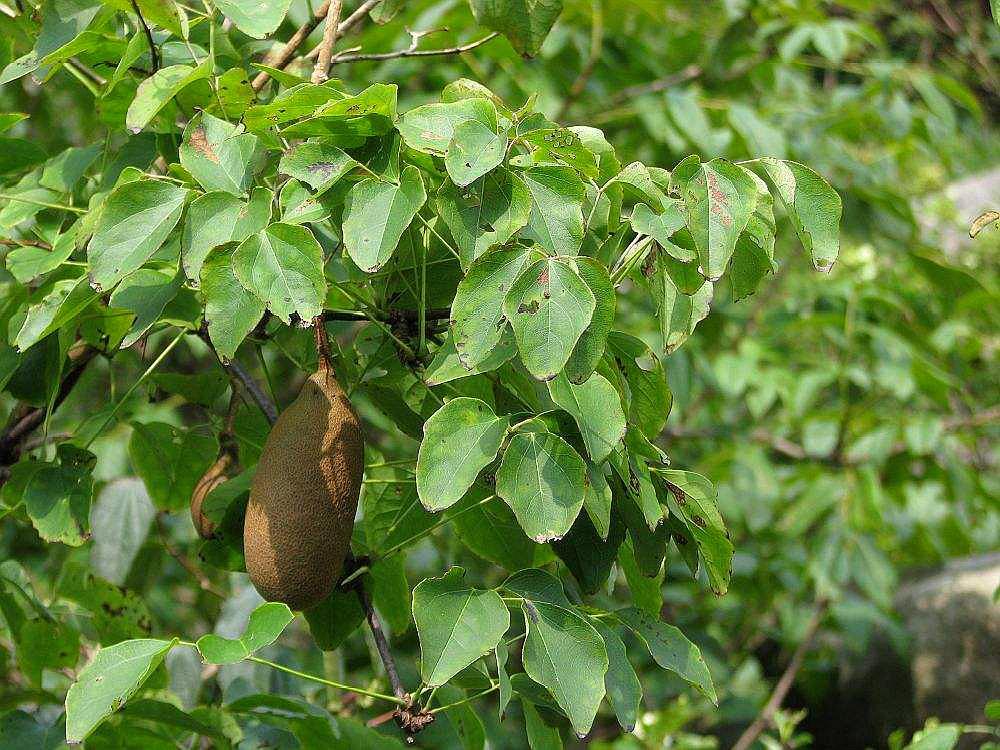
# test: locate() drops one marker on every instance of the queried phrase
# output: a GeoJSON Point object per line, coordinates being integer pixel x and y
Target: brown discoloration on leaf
{"type": "Point", "coordinates": [649, 264]}
{"type": "Point", "coordinates": [543, 276]}
{"type": "Point", "coordinates": [199, 142]}
{"type": "Point", "coordinates": [322, 168]}
{"type": "Point", "coordinates": [718, 200]}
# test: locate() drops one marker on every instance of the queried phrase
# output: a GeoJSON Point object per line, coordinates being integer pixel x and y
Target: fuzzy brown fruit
{"type": "Point", "coordinates": [304, 495]}
{"type": "Point", "coordinates": [217, 474]}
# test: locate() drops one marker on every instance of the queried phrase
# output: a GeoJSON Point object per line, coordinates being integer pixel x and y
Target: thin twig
{"type": "Point", "coordinates": [596, 45]}
{"type": "Point", "coordinates": [321, 72]}
{"type": "Point", "coordinates": [978, 419]}
{"type": "Point", "coordinates": [237, 370]}
{"type": "Point", "coordinates": [282, 57]}
{"type": "Point", "coordinates": [25, 243]}
{"type": "Point", "coordinates": [28, 422]}
{"type": "Point", "coordinates": [786, 681]}
{"type": "Point", "coordinates": [191, 568]}
{"type": "Point", "coordinates": [412, 51]}
{"type": "Point", "coordinates": [153, 52]}
{"type": "Point", "coordinates": [381, 642]}
{"type": "Point", "coordinates": [660, 84]}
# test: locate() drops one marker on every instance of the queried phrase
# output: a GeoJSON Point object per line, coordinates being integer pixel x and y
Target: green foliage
{"type": "Point", "coordinates": [601, 386]}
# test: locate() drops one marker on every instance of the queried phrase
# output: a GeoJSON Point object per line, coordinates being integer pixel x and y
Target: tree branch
{"type": "Point", "coordinates": [412, 50]}
{"type": "Point", "coordinates": [28, 420]}
{"type": "Point", "coordinates": [191, 568]}
{"type": "Point", "coordinates": [284, 56]}
{"type": "Point", "coordinates": [978, 419]}
{"type": "Point", "coordinates": [153, 52]}
{"type": "Point", "coordinates": [786, 681]}
{"type": "Point", "coordinates": [236, 370]}
{"type": "Point", "coordinates": [596, 45]}
{"type": "Point", "coordinates": [660, 84]}
{"type": "Point", "coordinates": [321, 72]}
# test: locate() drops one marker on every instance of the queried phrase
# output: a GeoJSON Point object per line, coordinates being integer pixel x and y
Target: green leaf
{"type": "Point", "coordinates": [556, 220]}
{"type": "Point", "coordinates": [677, 312]}
{"type": "Point", "coordinates": [597, 410]}
{"type": "Point", "coordinates": [692, 499]}
{"type": "Point", "coordinates": [537, 585]}
{"type": "Point", "coordinates": [19, 729]}
{"type": "Point", "coordinates": [594, 340]}
{"type": "Point", "coordinates": [266, 623]}
{"type": "Point", "coordinates": [446, 366]}
{"type": "Point", "coordinates": [487, 213]}
{"type": "Point", "coordinates": [46, 644]}
{"type": "Point", "coordinates": [121, 518]}
{"type": "Point", "coordinates": [169, 715]}
{"type": "Point", "coordinates": [145, 293]}
{"type": "Point", "coordinates": [540, 735]}
{"type": "Point", "coordinates": [622, 684]}
{"type": "Point", "coordinates": [317, 163]}
{"type": "Point", "coordinates": [761, 137]}
{"type": "Point", "coordinates": [719, 198]}
{"type": "Point", "coordinates": [115, 675]}
{"type": "Point", "coordinates": [220, 156]}
{"type": "Point", "coordinates": [231, 312]}
{"type": "Point", "coordinates": [115, 612]}
{"type": "Point", "coordinates": [372, 112]}
{"type": "Point", "coordinates": [333, 620]}
{"type": "Point", "coordinates": [135, 220]}
{"type": "Point", "coordinates": [549, 307]}
{"type": "Point", "coordinates": [27, 263]}
{"type": "Point", "coordinates": [57, 497]}
{"type": "Point", "coordinates": [393, 512]}
{"type": "Point", "coordinates": [670, 649]}
{"type": "Point", "coordinates": [589, 557]}
{"type": "Point", "coordinates": [61, 173]}
{"type": "Point", "coordinates": [475, 149]}
{"type": "Point", "coordinates": [650, 397]}
{"type": "Point", "coordinates": [564, 653]}
{"type": "Point", "coordinates": [64, 303]}
{"type": "Point", "coordinates": [156, 91]}
{"type": "Point", "coordinates": [376, 213]}
{"type": "Point", "coordinates": [525, 23]}
{"type": "Point", "coordinates": [638, 182]}
{"type": "Point", "coordinates": [214, 219]}
{"type": "Point", "coordinates": [492, 532]}
{"type": "Point", "coordinates": [477, 310]}
{"type": "Point", "coordinates": [941, 737]}
{"type": "Point", "coordinates": [661, 227]}
{"type": "Point", "coordinates": [256, 18]}
{"type": "Point", "coordinates": [456, 624]}
{"type": "Point", "coordinates": [813, 206]}
{"type": "Point", "coordinates": [282, 266]}
{"type": "Point", "coordinates": [543, 480]}
{"type": "Point", "coordinates": [430, 128]}
{"type": "Point", "coordinates": [460, 439]}
{"type": "Point", "coordinates": [391, 592]}
{"type": "Point", "coordinates": [170, 461]}
{"type": "Point", "coordinates": [299, 206]}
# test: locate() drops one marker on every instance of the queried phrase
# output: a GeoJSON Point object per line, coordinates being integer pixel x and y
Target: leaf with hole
{"type": "Point", "coordinates": [266, 623]}
{"type": "Point", "coordinates": [460, 439]}
{"type": "Point", "coordinates": [549, 307]}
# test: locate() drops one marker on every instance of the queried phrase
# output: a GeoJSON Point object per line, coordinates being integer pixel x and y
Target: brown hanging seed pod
{"type": "Point", "coordinates": [304, 495]}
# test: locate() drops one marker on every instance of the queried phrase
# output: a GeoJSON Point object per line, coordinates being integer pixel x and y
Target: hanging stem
{"type": "Point", "coordinates": [322, 343]}
{"type": "Point", "coordinates": [321, 73]}
{"type": "Point", "coordinates": [153, 52]}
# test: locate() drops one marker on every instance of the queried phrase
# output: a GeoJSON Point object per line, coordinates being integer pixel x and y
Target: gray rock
{"type": "Point", "coordinates": [954, 624]}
